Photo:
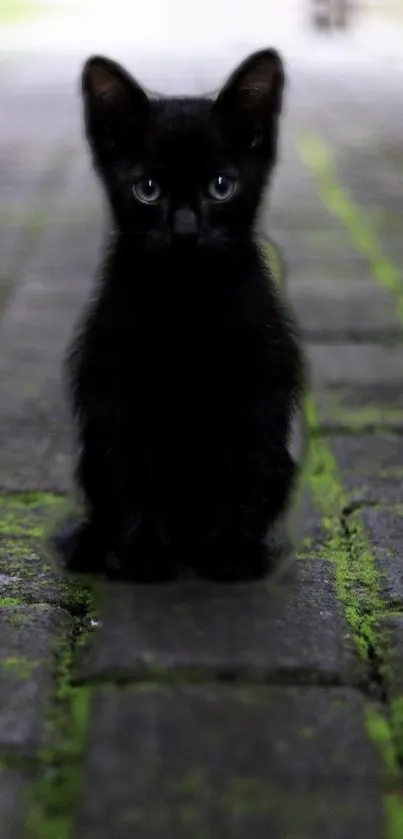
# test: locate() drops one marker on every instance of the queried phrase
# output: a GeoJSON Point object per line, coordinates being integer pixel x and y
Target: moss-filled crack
{"type": "Point", "coordinates": [54, 793]}
{"type": "Point", "coordinates": [319, 159]}
{"type": "Point", "coordinates": [31, 579]}
{"type": "Point", "coordinates": [359, 591]}
{"type": "Point", "coordinates": [153, 674]}
{"type": "Point", "coordinates": [365, 590]}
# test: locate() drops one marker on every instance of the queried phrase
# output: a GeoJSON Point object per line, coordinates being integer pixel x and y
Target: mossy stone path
{"type": "Point", "coordinates": [195, 711]}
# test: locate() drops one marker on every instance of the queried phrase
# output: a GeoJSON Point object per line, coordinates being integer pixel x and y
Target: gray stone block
{"type": "Point", "coordinates": [28, 571]}
{"type": "Point", "coordinates": [357, 386]}
{"type": "Point", "coordinates": [371, 468]}
{"type": "Point", "coordinates": [385, 530]}
{"type": "Point", "coordinates": [335, 309]}
{"type": "Point", "coordinates": [318, 254]}
{"type": "Point", "coordinates": [28, 636]}
{"type": "Point", "coordinates": [372, 472]}
{"type": "Point", "coordinates": [29, 574]}
{"type": "Point", "coordinates": [289, 628]}
{"type": "Point", "coordinates": [358, 366]}
{"type": "Point", "coordinates": [36, 445]}
{"type": "Point", "coordinates": [390, 633]}
{"type": "Point", "coordinates": [370, 457]}
{"type": "Point", "coordinates": [229, 763]}
{"type": "Point", "coordinates": [12, 789]}
{"type": "Point", "coordinates": [360, 410]}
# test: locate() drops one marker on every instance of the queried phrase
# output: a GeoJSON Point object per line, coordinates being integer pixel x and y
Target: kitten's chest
{"type": "Point", "coordinates": [186, 342]}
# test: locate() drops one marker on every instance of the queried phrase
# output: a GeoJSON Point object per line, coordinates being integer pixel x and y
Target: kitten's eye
{"type": "Point", "coordinates": [147, 190]}
{"type": "Point", "coordinates": [221, 188]}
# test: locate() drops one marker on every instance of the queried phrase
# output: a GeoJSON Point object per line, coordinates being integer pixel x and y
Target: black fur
{"type": "Point", "coordinates": [185, 371]}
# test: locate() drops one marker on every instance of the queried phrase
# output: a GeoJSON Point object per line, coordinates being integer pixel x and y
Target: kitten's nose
{"type": "Point", "coordinates": [185, 224]}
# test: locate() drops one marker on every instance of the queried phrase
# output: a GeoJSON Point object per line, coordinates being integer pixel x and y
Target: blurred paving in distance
{"type": "Point", "coordinates": [195, 710]}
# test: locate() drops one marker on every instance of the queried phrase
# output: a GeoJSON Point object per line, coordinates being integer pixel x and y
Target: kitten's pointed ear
{"type": "Point", "coordinates": [253, 95]}
{"type": "Point", "coordinates": [112, 99]}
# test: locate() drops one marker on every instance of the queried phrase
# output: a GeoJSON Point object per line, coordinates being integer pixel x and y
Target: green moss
{"type": "Point", "coordinates": [22, 500]}
{"type": "Point", "coordinates": [24, 514]}
{"type": "Point", "coordinates": [380, 734]}
{"type": "Point", "coordinates": [11, 601]}
{"type": "Point", "coordinates": [319, 159]}
{"type": "Point", "coordinates": [19, 666]}
{"type": "Point", "coordinates": [396, 715]}
{"type": "Point", "coordinates": [360, 419]}
{"type": "Point", "coordinates": [394, 814]}
{"type": "Point", "coordinates": [52, 800]}
{"type": "Point", "coordinates": [307, 732]}
{"type": "Point", "coordinates": [350, 552]}
{"type": "Point", "coordinates": [17, 618]}
{"type": "Point", "coordinates": [246, 796]}
{"type": "Point", "coordinates": [358, 586]}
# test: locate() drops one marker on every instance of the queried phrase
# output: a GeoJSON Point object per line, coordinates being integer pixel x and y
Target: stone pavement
{"type": "Point", "coordinates": [197, 710]}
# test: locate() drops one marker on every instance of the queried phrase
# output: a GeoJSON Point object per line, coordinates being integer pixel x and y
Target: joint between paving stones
{"type": "Point", "coordinates": [347, 546]}
{"type": "Point", "coordinates": [359, 592]}
{"type": "Point", "coordinates": [54, 773]}
{"type": "Point", "coordinates": [346, 536]}
{"type": "Point", "coordinates": [318, 158]}
{"type": "Point", "coordinates": [151, 674]}
{"type": "Point", "coordinates": [54, 793]}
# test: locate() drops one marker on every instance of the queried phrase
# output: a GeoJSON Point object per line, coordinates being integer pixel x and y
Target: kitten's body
{"type": "Point", "coordinates": [185, 372]}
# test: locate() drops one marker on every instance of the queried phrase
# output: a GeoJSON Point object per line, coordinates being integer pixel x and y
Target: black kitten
{"type": "Point", "coordinates": [185, 373]}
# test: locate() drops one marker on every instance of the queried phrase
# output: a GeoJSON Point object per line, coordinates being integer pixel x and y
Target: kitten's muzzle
{"type": "Point", "coordinates": [185, 225]}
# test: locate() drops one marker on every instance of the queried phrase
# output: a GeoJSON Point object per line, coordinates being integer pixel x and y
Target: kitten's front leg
{"type": "Point", "coordinates": [144, 553]}
{"type": "Point", "coordinates": [80, 546]}
{"type": "Point", "coordinates": [126, 535]}
{"type": "Point", "coordinates": [111, 510]}
{"type": "Point", "coordinates": [246, 543]}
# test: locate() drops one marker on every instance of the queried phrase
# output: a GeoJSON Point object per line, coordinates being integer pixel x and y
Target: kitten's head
{"type": "Point", "coordinates": [184, 170]}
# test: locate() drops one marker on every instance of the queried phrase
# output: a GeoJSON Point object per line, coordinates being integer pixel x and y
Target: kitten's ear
{"type": "Point", "coordinates": [253, 95]}
{"type": "Point", "coordinates": [112, 99]}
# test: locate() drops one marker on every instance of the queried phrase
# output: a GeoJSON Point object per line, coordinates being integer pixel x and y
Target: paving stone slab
{"type": "Point", "coordinates": [357, 385]}
{"type": "Point", "coordinates": [390, 630]}
{"type": "Point", "coordinates": [28, 635]}
{"type": "Point", "coordinates": [368, 455]}
{"type": "Point", "coordinates": [371, 467]}
{"type": "Point", "coordinates": [319, 249]}
{"type": "Point", "coordinates": [385, 530]}
{"type": "Point", "coordinates": [371, 470]}
{"type": "Point", "coordinates": [36, 447]}
{"type": "Point", "coordinates": [35, 426]}
{"type": "Point", "coordinates": [29, 574]}
{"type": "Point", "coordinates": [294, 219]}
{"type": "Point", "coordinates": [291, 628]}
{"type": "Point", "coordinates": [363, 365]}
{"type": "Point", "coordinates": [353, 309]}
{"type": "Point", "coordinates": [24, 516]}
{"type": "Point", "coordinates": [229, 762]}
{"type": "Point", "coordinates": [12, 789]}
{"type": "Point", "coordinates": [361, 408]}
{"type": "Point", "coordinates": [28, 571]}
{"type": "Point", "coordinates": [310, 533]}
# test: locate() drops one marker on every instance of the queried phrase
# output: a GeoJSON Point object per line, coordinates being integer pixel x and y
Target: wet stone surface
{"type": "Point", "coordinates": [169, 748]}
{"type": "Point", "coordinates": [230, 762]}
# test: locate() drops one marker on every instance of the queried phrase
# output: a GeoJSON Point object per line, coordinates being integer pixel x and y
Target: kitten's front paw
{"type": "Point", "coordinates": [144, 554]}
{"type": "Point", "coordinates": [80, 548]}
